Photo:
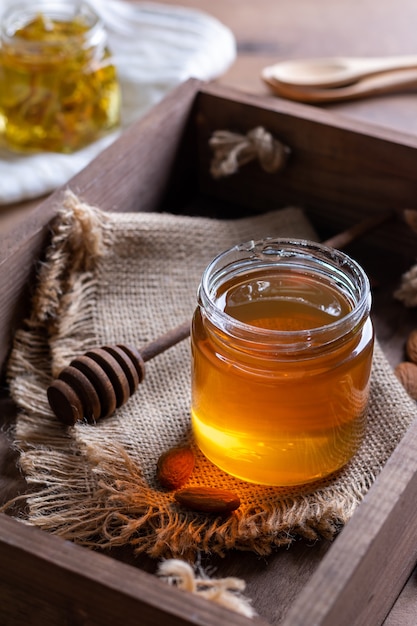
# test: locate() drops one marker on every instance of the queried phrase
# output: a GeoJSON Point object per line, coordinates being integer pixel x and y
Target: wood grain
{"type": "Point", "coordinates": [371, 559]}
{"type": "Point", "coordinates": [50, 581]}
{"type": "Point", "coordinates": [337, 170]}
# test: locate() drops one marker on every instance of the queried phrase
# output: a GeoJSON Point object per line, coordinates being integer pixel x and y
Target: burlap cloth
{"type": "Point", "coordinates": [112, 278]}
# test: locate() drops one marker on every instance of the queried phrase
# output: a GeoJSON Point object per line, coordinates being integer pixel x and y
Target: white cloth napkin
{"type": "Point", "coordinates": [155, 47]}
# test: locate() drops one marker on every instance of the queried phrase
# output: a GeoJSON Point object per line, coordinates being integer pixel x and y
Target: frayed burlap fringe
{"type": "Point", "coordinates": [128, 278]}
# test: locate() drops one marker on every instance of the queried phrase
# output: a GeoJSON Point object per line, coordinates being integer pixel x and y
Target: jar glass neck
{"type": "Point", "coordinates": [85, 28]}
{"type": "Point", "coordinates": [248, 264]}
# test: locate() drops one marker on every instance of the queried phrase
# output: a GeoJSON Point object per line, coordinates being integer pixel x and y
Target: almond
{"type": "Point", "coordinates": [175, 466]}
{"type": "Point", "coordinates": [406, 372]}
{"type": "Point", "coordinates": [411, 346]}
{"type": "Point", "coordinates": [208, 499]}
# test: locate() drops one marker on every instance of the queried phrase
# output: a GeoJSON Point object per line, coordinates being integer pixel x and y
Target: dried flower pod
{"type": "Point", "coordinates": [175, 466]}
{"type": "Point", "coordinates": [208, 499]}
{"type": "Point", "coordinates": [406, 372]}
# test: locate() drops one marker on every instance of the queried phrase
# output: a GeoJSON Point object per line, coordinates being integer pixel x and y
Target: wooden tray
{"type": "Point", "coordinates": [339, 171]}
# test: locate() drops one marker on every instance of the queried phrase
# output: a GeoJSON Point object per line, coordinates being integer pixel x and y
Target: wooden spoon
{"type": "Point", "coordinates": [336, 71]}
{"type": "Point", "coordinates": [389, 82]}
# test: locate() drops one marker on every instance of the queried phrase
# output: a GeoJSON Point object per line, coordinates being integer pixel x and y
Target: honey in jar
{"type": "Point", "coordinates": [282, 348]}
{"type": "Point", "coordinates": [58, 86]}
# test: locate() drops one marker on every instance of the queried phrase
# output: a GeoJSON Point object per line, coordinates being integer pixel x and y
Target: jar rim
{"type": "Point", "coordinates": [66, 10]}
{"type": "Point", "coordinates": [261, 253]}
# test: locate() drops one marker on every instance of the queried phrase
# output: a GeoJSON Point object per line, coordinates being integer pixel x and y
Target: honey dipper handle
{"type": "Point", "coordinates": [95, 384]}
{"type": "Point", "coordinates": [344, 238]}
{"type": "Point", "coordinates": [165, 341]}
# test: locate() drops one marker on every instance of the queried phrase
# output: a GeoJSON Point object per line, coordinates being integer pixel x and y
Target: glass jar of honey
{"type": "Point", "coordinates": [282, 346]}
{"type": "Point", "coordinates": [58, 85]}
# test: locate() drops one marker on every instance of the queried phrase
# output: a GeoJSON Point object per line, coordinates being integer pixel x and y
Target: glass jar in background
{"type": "Point", "coordinates": [282, 348]}
{"type": "Point", "coordinates": [58, 85]}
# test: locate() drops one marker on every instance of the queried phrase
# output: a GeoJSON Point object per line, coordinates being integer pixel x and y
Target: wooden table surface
{"type": "Point", "coordinates": [271, 30]}
{"type": "Point", "coordinates": [268, 31]}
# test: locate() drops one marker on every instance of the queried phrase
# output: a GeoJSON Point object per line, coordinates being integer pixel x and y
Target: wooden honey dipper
{"type": "Point", "coordinates": [95, 384]}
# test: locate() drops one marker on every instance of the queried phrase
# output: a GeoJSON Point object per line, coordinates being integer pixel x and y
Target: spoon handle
{"type": "Point", "coordinates": [388, 82]}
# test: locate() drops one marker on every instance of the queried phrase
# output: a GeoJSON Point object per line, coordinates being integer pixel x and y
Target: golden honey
{"type": "Point", "coordinates": [58, 86]}
{"type": "Point", "coordinates": [282, 348]}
